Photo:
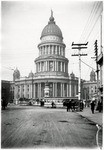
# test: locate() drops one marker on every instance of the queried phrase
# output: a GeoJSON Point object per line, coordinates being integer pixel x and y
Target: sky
{"type": "Point", "coordinates": [22, 23]}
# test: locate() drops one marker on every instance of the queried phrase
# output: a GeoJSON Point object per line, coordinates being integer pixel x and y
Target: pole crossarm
{"type": "Point", "coordinates": [79, 54]}
{"type": "Point", "coordinates": [79, 44]}
{"type": "Point", "coordinates": [78, 47]}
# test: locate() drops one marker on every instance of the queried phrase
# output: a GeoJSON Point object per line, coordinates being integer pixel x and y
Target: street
{"type": "Point", "coordinates": [39, 127]}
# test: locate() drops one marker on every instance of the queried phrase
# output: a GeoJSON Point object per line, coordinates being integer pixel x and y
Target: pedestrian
{"type": "Point", "coordinates": [68, 105]}
{"type": "Point", "coordinates": [100, 105]}
{"type": "Point", "coordinates": [3, 103]}
{"type": "Point", "coordinates": [73, 105]}
{"type": "Point", "coordinates": [52, 104]}
{"type": "Point", "coordinates": [81, 105]}
{"type": "Point", "coordinates": [92, 106]}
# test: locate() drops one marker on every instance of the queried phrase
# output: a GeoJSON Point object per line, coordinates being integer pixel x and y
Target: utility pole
{"type": "Point", "coordinates": [79, 47]}
{"type": "Point", "coordinates": [32, 86]}
{"type": "Point", "coordinates": [97, 69]}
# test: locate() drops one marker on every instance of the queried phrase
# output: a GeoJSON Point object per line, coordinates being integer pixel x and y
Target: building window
{"type": "Point", "coordinates": [50, 65]}
{"type": "Point", "coordinates": [59, 66]}
{"type": "Point", "coordinates": [95, 89]}
{"type": "Point", "coordinates": [39, 66]}
{"type": "Point", "coordinates": [42, 66]}
{"type": "Point", "coordinates": [50, 49]}
{"type": "Point", "coordinates": [57, 50]}
{"type": "Point", "coordinates": [62, 66]}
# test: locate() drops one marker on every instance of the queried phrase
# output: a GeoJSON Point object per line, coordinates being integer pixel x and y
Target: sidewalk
{"type": "Point", "coordinates": [96, 117]}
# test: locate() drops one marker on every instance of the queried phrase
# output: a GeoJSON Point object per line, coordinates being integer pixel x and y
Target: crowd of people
{"type": "Point", "coordinates": [75, 105]}
{"type": "Point", "coordinates": [99, 106]}
{"type": "Point", "coordinates": [79, 106]}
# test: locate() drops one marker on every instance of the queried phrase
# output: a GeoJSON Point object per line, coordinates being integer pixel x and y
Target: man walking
{"type": "Point", "coordinates": [92, 106]}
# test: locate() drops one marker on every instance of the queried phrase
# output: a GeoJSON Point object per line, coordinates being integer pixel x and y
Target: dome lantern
{"type": "Point", "coordinates": [31, 75]}
{"type": "Point", "coordinates": [16, 74]}
{"type": "Point", "coordinates": [51, 18]}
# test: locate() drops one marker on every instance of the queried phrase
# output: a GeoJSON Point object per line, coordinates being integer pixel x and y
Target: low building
{"type": "Point", "coordinates": [6, 94]}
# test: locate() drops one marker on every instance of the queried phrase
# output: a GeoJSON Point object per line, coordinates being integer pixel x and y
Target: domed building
{"type": "Point", "coordinates": [92, 76]}
{"type": "Point", "coordinates": [90, 87]}
{"type": "Point", "coordinates": [51, 80]}
{"type": "Point", "coordinates": [16, 74]}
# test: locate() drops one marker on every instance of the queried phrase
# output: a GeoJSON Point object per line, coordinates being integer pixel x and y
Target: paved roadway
{"type": "Point", "coordinates": [36, 127]}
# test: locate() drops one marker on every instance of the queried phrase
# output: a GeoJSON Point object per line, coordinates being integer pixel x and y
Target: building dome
{"type": "Point", "coordinates": [16, 74]}
{"type": "Point", "coordinates": [31, 74]}
{"type": "Point", "coordinates": [72, 75]}
{"type": "Point", "coordinates": [92, 72]}
{"type": "Point", "coordinates": [51, 28]}
{"type": "Point", "coordinates": [92, 76]}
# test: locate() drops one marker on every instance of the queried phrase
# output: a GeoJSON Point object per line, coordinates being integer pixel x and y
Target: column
{"type": "Point", "coordinates": [61, 90]}
{"type": "Point", "coordinates": [64, 66]}
{"type": "Point", "coordinates": [45, 49]}
{"type": "Point", "coordinates": [59, 50]}
{"type": "Point", "coordinates": [42, 50]}
{"type": "Point", "coordinates": [44, 65]}
{"type": "Point", "coordinates": [56, 49]}
{"type": "Point", "coordinates": [29, 91]}
{"type": "Point", "coordinates": [52, 49]}
{"type": "Point", "coordinates": [40, 66]}
{"type": "Point", "coordinates": [61, 66]}
{"type": "Point", "coordinates": [16, 94]}
{"type": "Point", "coordinates": [70, 88]}
{"type": "Point", "coordinates": [53, 65]}
{"type": "Point", "coordinates": [40, 89]}
{"type": "Point", "coordinates": [25, 90]}
{"type": "Point", "coordinates": [75, 91]}
{"type": "Point", "coordinates": [49, 49]}
{"type": "Point", "coordinates": [34, 93]}
{"type": "Point", "coordinates": [67, 90]}
{"type": "Point", "coordinates": [63, 52]}
{"type": "Point", "coordinates": [55, 89]}
{"type": "Point", "coordinates": [36, 68]}
{"type": "Point", "coordinates": [47, 65]}
{"type": "Point", "coordinates": [20, 90]}
{"type": "Point", "coordinates": [57, 66]}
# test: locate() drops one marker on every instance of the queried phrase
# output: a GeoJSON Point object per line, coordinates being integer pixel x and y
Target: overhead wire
{"type": "Point", "coordinates": [89, 24]}
{"type": "Point", "coordinates": [86, 29]}
{"type": "Point", "coordinates": [93, 25]}
{"type": "Point", "coordinates": [87, 65]}
{"type": "Point", "coordinates": [86, 26]}
{"type": "Point", "coordinates": [95, 35]}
